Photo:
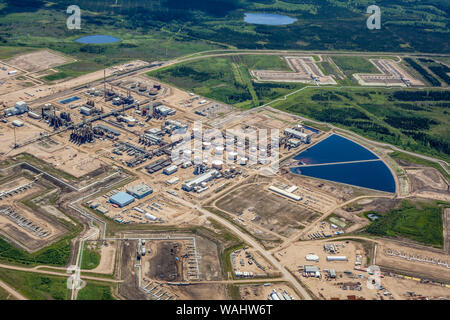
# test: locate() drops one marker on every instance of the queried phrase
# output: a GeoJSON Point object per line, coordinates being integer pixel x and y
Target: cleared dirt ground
{"type": "Point", "coordinates": [262, 292]}
{"type": "Point", "coordinates": [129, 288]}
{"type": "Point", "coordinates": [268, 210]}
{"type": "Point", "coordinates": [416, 268]}
{"type": "Point", "coordinates": [37, 61]}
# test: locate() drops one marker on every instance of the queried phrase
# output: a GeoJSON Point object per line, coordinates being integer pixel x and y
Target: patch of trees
{"type": "Point", "coordinates": [426, 140]}
{"type": "Point", "coordinates": [410, 123]}
{"type": "Point", "coordinates": [434, 82]}
{"type": "Point", "coordinates": [422, 95]}
{"type": "Point", "coordinates": [188, 72]}
{"type": "Point", "coordinates": [325, 96]}
{"type": "Point", "coordinates": [441, 71]}
{"type": "Point", "coordinates": [411, 106]}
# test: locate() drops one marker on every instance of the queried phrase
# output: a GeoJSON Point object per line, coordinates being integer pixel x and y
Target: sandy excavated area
{"type": "Point", "coordinates": [413, 267]}
{"type": "Point", "coordinates": [107, 260]}
{"type": "Point", "coordinates": [37, 61]}
{"type": "Point", "coordinates": [46, 90]}
{"type": "Point", "coordinates": [400, 288]}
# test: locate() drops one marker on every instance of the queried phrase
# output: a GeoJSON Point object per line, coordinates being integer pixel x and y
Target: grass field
{"type": "Point", "coordinates": [418, 221]}
{"type": "Point", "coordinates": [228, 79]}
{"type": "Point", "coordinates": [4, 295]}
{"type": "Point", "coordinates": [95, 291]}
{"type": "Point", "coordinates": [57, 254]}
{"type": "Point", "coordinates": [354, 64]}
{"type": "Point", "coordinates": [91, 259]}
{"type": "Point", "coordinates": [8, 52]}
{"type": "Point", "coordinates": [35, 286]}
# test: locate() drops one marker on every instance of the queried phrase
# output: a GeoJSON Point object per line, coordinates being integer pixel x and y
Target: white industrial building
{"type": "Point", "coordinates": [189, 185]}
{"type": "Point", "coordinates": [17, 123]}
{"type": "Point", "coordinates": [303, 137]}
{"type": "Point", "coordinates": [337, 258]}
{"type": "Point", "coordinates": [164, 110]}
{"type": "Point", "coordinates": [20, 108]}
{"type": "Point", "coordinates": [170, 170]}
{"type": "Point", "coordinates": [285, 193]}
{"type": "Point", "coordinates": [86, 111]}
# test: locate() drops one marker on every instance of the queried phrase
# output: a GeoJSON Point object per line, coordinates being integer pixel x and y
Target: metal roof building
{"type": "Point", "coordinates": [191, 184]}
{"type": "Point", "coordinates": [122, 199]}
{"type": "Point", "coordinates": [140, 190]}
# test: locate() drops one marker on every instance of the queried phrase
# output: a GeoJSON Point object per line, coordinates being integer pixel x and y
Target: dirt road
{"type": "Point", "coordinates": [12, 291]}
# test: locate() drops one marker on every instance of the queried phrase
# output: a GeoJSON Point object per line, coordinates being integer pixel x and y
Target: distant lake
{"type": "Point", "coordinates": [97, 39]}
{"type": "Point", "coordinates": [268, 19]}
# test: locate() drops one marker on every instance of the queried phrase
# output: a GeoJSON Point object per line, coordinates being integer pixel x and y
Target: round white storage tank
{"type": "Point", "coordinates": [232, 155]}
{"type": "Point", "coordinates": [253, 149]}
{"type": "Point", "coordinates": [219, 150]}
{"type": "Point", "coordinates": [312, 257]}
{"type": "Point", "coordinates": [217, 164]}
{"type": "Point", "coordinates": [243, 161]}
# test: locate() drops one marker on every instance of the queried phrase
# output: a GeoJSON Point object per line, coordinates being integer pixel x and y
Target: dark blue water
{"type": "Point", "coordinates": [373, 174]}
{"type": "Point", "coordinates": [97, 39]}
{"type": "Point", "coordinates": [68, 100]}
{"type": "Point", "coordinates": [311, 129]}
{"type": "Point", "coordinates": [268, 19]}
{"type": "Point", "coordinates": [334, 149]}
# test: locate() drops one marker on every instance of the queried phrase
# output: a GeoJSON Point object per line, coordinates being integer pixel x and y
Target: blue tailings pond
{"type": "Point", "coordinates": [268, 19]}
{"type": "Point", "coordinates": [97, 39]}
{"type": "Point", "coordinates": [341, 160]}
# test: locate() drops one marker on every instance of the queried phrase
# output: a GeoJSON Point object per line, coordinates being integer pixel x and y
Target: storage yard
{"type": "Point", "coordinates": [267, 291]}
{"type": "Point", "coordinates": [304, 70]}
{"type": "Point", "coordinates": [391, 74]}
{"type": "Point", "coordinates": [29, 229]}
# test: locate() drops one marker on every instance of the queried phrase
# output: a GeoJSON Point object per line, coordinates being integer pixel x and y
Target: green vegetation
{"type": "Point", "coordinates": [424, 73]}
{"type": "Point", "coordinates": [57, 254]}
{"type": "Point", "coordinates": [438, 68]}
{"type": "Point", "coordinates": [413, 120]}
{"type": "Point", "coordinates": [4, 295]}
{"type": "Point", "coordinates": [354, 64]}
{"type": "Point", "coordinates": [8, 52]}
{"type": "Point", "coordinates": [36, 286]}
{"type": "Point", "coordinates": [234, 292]}
{"type": "Point", "coordinates": [228, 79]}
{"type": "Point", "coordinates": [95, 291]}
{"type": "Point", "coordinates": [225, 259]}
{"type": "Point", "coordinates": [418, 221]}
{"type": "Point", "coordinates": [156, 30]}
{"type": "Point", "coordinates": [90, 260]}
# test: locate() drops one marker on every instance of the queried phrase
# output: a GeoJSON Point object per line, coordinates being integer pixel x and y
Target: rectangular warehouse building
{"type": "Point", "coordinates": [197, 181]}
{"type": "Point", "coordinates": [121, 199]}
{"type": "Point", "coordinates": [303, 137]}
{"type": "Point", "coordinates": [139, 191]}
